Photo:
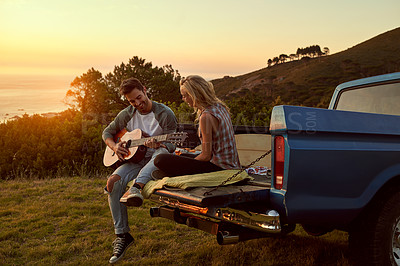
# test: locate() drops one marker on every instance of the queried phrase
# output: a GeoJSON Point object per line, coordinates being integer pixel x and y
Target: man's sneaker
{"type": "Point", "coordinates": [121, 244]}
{"type": "Point", "coordinates": [132, 197]}
{"type": "Point", "coordinates": [158, 174]}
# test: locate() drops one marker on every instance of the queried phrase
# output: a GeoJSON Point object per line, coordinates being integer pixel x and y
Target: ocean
{"type": "Point", "coordinates": [25, 94]}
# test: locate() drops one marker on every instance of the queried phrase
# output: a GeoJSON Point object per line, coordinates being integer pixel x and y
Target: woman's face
{"type": "Point", "coordinates": [186, 97]}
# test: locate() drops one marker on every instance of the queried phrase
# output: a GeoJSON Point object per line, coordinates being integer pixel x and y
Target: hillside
{"type": "Point", "coordinates": [311, 81]}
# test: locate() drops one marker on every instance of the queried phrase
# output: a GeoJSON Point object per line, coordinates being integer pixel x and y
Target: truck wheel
{"type": "Point", "coordinates": [376, 241]}
{"type": "Point", "coordinates": [396, 242]}
{"type": "Point", "coordinates": [313, 230]}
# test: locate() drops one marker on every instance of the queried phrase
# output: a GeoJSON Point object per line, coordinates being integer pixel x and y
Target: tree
{"type": "Point", "coordinates": [95, 95]}
{"type": "Point", "coordinates": [311, 51]}
{"type": "Point", "coordinates": [316, 50]}
{"type": "Point", "coordinates": [89, 93]}
{"type": "Point", "coordinates": [283, 57]}
{"type": "Point", "coordinates": [326, 51]}
{"type": "Point", "coordinates": [162, 83]}
{"type": "Point", "coordinates": [300, 52]}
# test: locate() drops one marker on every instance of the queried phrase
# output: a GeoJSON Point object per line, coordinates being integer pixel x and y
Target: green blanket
{"type": "Point", "coordinates": [212, 179]}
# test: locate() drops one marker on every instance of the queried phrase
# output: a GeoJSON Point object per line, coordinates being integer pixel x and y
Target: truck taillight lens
{"type": "Point", "coordinates": [279, 159]}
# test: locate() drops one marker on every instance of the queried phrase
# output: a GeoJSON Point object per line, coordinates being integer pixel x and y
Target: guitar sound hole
{"type": "Point", "coordinates": [128, 144]}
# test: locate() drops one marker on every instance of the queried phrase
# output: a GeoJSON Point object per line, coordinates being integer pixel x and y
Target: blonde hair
{"type": "Point", "coordinates": [202, 93]}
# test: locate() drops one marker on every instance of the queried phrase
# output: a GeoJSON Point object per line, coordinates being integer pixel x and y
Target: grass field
{"type": "Point", "coordinates": [67, 221]}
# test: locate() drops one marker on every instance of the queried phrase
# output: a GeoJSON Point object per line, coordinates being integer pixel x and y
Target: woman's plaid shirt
{"type": "Point", "coordinates": [224, 153]}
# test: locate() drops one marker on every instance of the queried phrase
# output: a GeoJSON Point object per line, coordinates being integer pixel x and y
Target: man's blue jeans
{"type": "Point", "coordinates": [142, 173]}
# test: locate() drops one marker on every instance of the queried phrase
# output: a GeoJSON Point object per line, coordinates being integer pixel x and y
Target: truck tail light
{"type": "Point", "coordinates": [279, 159]}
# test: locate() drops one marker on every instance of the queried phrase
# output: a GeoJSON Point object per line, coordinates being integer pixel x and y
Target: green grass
{"type": "Point", "coordinates": [67, 221]}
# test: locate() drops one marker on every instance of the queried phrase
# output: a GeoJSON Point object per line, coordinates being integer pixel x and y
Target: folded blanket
{"type": "Point", "coordinates": [212, 179]}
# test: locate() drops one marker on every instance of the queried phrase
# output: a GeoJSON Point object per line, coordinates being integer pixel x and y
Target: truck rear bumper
{"type": "Point", "coordinates": [228, 224]}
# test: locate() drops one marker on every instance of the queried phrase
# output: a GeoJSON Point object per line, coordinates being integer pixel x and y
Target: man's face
{"type": "Point", "coordinates": [139, 100]}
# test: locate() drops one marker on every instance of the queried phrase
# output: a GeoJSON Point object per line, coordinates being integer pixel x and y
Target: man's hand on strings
{"type": "Point", "coordinates": [152, 143]}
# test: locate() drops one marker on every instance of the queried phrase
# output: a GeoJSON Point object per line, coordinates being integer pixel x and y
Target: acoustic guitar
{"type": "Point", "coordinates": [134, 144]}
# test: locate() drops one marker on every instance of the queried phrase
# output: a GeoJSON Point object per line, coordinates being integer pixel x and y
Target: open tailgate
{"type": "Point", "coordinates": [250, 191]}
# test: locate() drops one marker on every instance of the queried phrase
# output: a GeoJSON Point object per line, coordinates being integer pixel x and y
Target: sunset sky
{"type": "Point", "coordinates": [45, 44]}
{"type": "Point", "coordinates": [209, 37]}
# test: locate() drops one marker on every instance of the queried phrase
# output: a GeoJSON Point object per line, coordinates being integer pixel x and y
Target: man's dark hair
{"type": "Point", "coordinates": [129, 85]}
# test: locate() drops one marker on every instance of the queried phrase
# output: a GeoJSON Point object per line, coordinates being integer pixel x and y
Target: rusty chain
{"type": "Point", "coordinates": [237, 173]}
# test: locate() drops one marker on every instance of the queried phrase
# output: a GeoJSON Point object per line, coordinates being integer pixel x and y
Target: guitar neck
{"type": "Point", "coordinates": [137, 142]}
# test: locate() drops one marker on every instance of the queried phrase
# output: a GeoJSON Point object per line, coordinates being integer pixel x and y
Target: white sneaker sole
{"type": "Point", "coordinates": [132, 200]}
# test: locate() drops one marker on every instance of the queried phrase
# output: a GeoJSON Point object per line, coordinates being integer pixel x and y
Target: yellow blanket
{"type": "Point", "coordinates": [212, 179]}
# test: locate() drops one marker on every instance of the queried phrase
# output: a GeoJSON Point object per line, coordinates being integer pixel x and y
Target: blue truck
{"type": "Point", "coordinates": [331, 169]}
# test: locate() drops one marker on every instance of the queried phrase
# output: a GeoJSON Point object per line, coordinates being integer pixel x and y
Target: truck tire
{"type": "Point", "coordinates": [376, 238]}
{"type": "Point", "coordinates": [313, 230]}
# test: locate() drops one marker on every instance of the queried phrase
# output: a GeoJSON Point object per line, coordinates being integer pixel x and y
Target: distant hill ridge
{"type": "Point", "coordinates": [311, 81]}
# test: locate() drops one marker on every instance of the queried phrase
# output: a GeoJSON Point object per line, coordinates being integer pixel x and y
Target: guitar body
{"type": "Point", "coordinates": [136, 154]}
{"type": "Point", "coordinates": [134, 143]}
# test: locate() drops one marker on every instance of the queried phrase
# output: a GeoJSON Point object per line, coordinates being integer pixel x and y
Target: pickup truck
{"type": "Point", "coordinates": [330, 169]}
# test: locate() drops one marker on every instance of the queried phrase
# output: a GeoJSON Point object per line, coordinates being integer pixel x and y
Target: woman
{"type": "Point", "coordinates": [218, 147]}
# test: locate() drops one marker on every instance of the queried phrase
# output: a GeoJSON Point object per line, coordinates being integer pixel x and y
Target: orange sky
{"type": "Point", "coordinates": [210, 38]}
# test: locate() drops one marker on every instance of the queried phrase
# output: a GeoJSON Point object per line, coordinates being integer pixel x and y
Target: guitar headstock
{"type": "Point", "coordinates": [177, 138]}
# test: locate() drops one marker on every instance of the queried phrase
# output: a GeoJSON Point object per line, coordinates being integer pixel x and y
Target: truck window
{"type": "Point", "coordinates": [380, 99]}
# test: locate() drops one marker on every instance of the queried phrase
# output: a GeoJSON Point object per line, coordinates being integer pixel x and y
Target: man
{"type": "Point", "coordinates": [153, 119]}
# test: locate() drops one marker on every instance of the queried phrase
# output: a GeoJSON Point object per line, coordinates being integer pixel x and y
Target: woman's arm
{"type": "Point", "coordinates": [208, 126]}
